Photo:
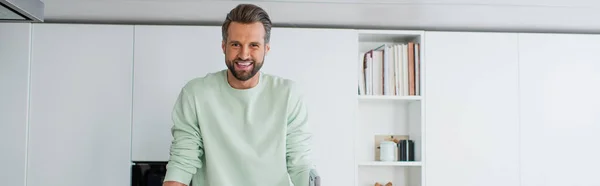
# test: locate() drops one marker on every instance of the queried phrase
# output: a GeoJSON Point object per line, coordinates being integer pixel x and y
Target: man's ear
{"type": "Point", "coordinates": [223, 46]}
{"type": "Point", "coordinates": [267, 48]}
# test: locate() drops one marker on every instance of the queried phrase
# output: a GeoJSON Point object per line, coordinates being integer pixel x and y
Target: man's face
{"type": "Point", "coordinates": [245, 49]}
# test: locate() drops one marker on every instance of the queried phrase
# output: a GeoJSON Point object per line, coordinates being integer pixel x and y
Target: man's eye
{"type": "Point", "coordinates": [235, 44]}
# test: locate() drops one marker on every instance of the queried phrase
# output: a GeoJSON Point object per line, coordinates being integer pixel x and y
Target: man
{"type": "Point", "coordinates": [239, 126]}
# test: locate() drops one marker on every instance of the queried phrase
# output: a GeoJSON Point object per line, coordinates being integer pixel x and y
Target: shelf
{"type": "Point", "coordinates": [392, 163]}
{"type": "Point", "coordinates": [389, 35]}
{"type": "Point", "coordinates": [402, 98]}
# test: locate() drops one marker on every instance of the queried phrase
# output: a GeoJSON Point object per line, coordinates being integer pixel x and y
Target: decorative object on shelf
{"type": "Point", "coordinates": [387, 184]}
{"type": "Point", "coordinates": [406, 150]}
{"type": "Point", "coordinates": [392, 138]}
{"type": "Point", "coordinates": [387, 151]}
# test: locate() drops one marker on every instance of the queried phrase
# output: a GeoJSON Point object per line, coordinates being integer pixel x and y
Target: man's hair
{"type": "Point", "coordinates": [247, 13]}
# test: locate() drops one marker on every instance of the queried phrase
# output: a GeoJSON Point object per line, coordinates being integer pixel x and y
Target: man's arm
{"type": "Point", "coordinates": [186, 147]}
{"type": "Point", "coordinates": [298, 141]}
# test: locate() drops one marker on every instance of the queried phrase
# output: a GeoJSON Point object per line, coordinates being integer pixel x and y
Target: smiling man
{"type": "Point", "coordinates": [239, 126]}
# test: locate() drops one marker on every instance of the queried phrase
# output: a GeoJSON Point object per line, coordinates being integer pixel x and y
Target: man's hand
{"type": "Point", "coordinates": [173, 183]}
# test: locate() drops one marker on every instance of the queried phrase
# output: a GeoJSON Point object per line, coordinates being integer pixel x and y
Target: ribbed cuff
{"type": "Point", "coordinates": [178, 175]}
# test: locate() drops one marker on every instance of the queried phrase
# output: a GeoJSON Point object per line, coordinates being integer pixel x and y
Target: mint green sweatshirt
{"type": "Point", "coordinates": [224, 136]}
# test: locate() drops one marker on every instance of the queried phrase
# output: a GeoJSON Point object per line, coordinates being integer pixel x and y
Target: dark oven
{"type": "Point", "coordinates": [148, 173]}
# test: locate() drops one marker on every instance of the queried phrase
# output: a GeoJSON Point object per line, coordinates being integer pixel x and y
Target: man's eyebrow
{"type": "Point", "coordinates": [237, 42]}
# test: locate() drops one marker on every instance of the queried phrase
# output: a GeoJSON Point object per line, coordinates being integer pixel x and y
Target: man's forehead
{"type": "Point", "coordinates": [246, 36]}
{"type": "Point", "coordinates": [255, 27]}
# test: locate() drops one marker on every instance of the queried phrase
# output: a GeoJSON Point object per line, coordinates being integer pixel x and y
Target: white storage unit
{"type": "Point", "coordinates": [166, 57]}
{"type": "Point", "coordinates": [559, 92]}
{"type": "Point", "coordinates": [472, 109]}
{"type": "Point", "coordinates": [80, 114]}
{"type": "Point", "coordinates": [14, 91]}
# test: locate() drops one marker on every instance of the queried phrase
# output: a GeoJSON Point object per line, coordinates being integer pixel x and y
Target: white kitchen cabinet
{"type": "Point", "coordinates": [81, 91]}
{"type": "Point", "coordinates": [322, 61]}
{"type": "Point", "coordinates": [471, 93]}
{"type": "Point", "coordinates": [167, 57]}
{"type": "Point", "coordinates": [14, 93]}
{"type": "Point", "coordinates": [560, 115]}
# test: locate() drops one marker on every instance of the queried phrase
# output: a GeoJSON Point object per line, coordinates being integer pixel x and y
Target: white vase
{"type": "Point", "coordinates": [386, 151]}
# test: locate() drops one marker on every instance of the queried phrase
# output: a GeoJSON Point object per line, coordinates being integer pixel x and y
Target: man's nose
{"type": "Point", "coordinates": [244, 53]}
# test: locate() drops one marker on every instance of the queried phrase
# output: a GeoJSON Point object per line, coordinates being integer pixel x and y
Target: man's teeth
{"type": "Point", "coordinates": [243, 63]}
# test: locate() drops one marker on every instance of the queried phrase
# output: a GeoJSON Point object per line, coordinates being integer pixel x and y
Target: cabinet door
{"type": "Point", "coordinates": [167, 57]}
{"type": "Point", "coordinates": [471, 98]}
{"type": "Point", "coordinates": [80, 105]}
{"type": "Point", "coordinates": [323, 64]}
{"type": "Point", "coordinates": [560, 115]}
{"type": "Point", "coordinates": [14, 80]}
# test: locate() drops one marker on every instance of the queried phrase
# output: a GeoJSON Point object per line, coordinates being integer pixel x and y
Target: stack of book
{"type": "Point", "coordinates": [390, 69]}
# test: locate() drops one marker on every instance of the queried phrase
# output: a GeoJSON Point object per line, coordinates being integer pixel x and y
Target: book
{"type": "Point", "coordinates": [390, 69]}
{"type": "Point", "coordinates": [406, 150]}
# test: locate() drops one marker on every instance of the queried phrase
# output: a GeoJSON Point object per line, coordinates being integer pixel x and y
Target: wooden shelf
{"type": "Point", "coordinates": [393, 163]}
{"type": "Point", "coordinates": [402, 98]}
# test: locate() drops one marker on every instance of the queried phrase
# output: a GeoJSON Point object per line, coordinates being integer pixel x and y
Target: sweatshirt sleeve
{"type": "Point", "coordinates": [186, 147]}
{"type": "Point", "coordinates": [298, 141]}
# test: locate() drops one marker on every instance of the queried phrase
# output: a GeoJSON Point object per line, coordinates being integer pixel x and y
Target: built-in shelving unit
{"type": "Point", "coordinates": [389, 106]}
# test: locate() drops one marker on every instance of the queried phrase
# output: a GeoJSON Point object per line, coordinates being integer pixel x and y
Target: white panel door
{"type": "Point", "coordinates": [560, 115]}
{"type": "Point", "coordinates": [472, 131]}
{"type": "Point", "coordinates": [14, 93]}
{"type": "Point", "coordinates": [80, 124]}
{"type": "Point", "coordinates": [166, 58]}
{"type": "Point", "coordinates": [321, 61]}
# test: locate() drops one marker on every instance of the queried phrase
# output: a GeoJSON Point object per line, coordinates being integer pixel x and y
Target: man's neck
{"type": "Point", "coordinates": [237, 84]}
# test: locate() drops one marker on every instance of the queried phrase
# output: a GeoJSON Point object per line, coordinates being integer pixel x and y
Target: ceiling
{"type": "Point", "coordinates": [575, 16]}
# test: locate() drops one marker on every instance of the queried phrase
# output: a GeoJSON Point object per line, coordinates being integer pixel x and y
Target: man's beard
{"type": "Point", "coordinates": [243, 75]}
